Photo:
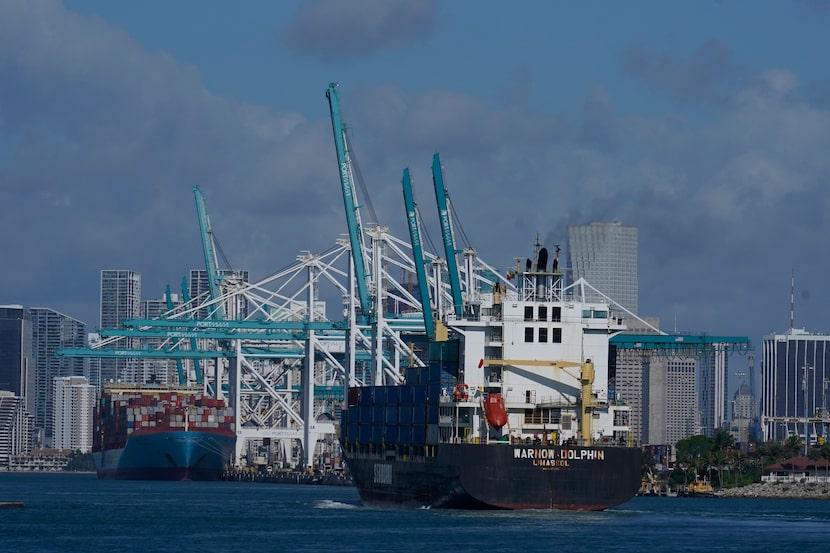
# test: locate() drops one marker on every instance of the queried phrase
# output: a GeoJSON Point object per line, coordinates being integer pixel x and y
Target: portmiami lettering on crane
{"type": "Point", "coordinates": [445, 225]}
{"type": "Point", "coordinates": [344, 175]}
{"type": "Point", "coordinates": [413, 226]}
{"type": "Point", "coordinates": [549, 457]}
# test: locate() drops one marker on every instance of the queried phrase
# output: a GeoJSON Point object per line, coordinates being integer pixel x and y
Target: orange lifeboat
{"type": "Point", "coordinates": [494, 410]}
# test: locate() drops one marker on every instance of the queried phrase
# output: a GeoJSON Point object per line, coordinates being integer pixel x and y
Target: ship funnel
{"type": "Point", "coordinates": [542, 264]}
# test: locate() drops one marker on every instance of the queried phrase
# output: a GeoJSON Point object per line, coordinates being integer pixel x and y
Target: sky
{"type": "Point", "coordinates": [705, 124]}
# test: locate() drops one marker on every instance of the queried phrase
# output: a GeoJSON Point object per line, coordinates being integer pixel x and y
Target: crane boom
{"type": "Point", "coordinates": [447, 234]}
{"type": "Point", "coordinates": [211, 265]}
{"type": "Point", "coordinates": [417, 253]}
{"type": "Point", "coordinates": [186, 298]}
{"type": "Point", "coordinates": [168, 295]}
{"type": "Point", "coordinates": [350, 202]}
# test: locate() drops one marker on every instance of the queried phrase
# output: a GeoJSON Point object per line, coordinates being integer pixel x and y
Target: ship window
{"type": "Point", "coordinates": [556, 315]}
{"type": "Point", "coordinates": [528, 312]}
{"type": "Point", "coordinates": [529, 334]}
{"type": "Point", "coordinates": [600, 314]}
{"type": "Point", "coordinates": [543, 335]}
{"type": "Point", "coordinates": [543, 312]}
{"type": "Point", "coordinates": [556, 335]}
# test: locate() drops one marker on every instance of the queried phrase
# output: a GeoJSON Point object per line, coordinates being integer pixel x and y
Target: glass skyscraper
{"type": "Point", "coordinates": [795, 385]}
{"type": "Point", "coordinates": [120, 300]}
{"type": "Point", "coordinates": [52, 331]}
{"type": "Point", "coordinates": [605, 254]}
{"type": "Point", "coordinates": [17, 371]}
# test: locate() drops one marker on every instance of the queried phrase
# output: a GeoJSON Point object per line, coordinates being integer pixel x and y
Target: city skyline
{"type": "Point", "coordinates": [685, 122]}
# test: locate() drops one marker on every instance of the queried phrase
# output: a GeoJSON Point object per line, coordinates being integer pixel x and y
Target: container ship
{"type": "Point", "coordinates": [150, 432]}
{"type": "Point", "coordinates": [513, 409]}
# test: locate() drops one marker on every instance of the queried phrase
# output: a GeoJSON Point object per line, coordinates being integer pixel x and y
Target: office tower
{"type": "Point", "coordinates": [712, 390]}
{"type": "Point", "coordinates": [743, 414]}
{"type": "Point", "coordinates": [120, 300]}
{"type": "Point", "coordinates": [795, 375]}
{"type": "Point", "coordinates": [53, 331]}
{"type": "Point", "coordinates": [670, 411]}
{"type": "Point", "coordinates": [682, 413]}
{"type": "Point", "coordinates": [16, 426]}
{"type": "Point", "coordinates": [605, 254]}
{"type": "Point", "coordinates": [17, 374]}
{"type": "Point", "coordinates": [74, 403]}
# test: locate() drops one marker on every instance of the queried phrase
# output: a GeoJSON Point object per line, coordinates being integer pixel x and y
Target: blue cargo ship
{"type": "Point", "coordinates": [150, 432]}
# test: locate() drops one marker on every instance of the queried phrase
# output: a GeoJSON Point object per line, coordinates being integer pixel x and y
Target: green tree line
{"type": "Point", "coordinates": [725, 465]}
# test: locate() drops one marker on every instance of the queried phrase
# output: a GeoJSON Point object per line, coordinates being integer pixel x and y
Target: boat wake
{"type": "Point", "coordinates": [330, 504]}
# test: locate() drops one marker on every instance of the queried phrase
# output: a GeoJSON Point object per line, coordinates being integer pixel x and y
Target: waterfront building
{"type": "Point", "coordinates": [53, 331]}
{"type": "Point", "coordinates": [120, 300]}
{"type": "Point", "coordinates": [16, 427]}
{"type": "Point", "coordinates": [605, 254]}
{"type": "Point", "coordinates": [17, 369]}
{"type": "Point", "coordinates": [74, 403]}
{"type": "Point", "coordinates": [795, 374]}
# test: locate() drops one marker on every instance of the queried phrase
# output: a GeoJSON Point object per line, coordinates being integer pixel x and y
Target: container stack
{"type": "Point", "coordinates": [123, 412]}
{"type": "Point", "coordinates": [407, 414]}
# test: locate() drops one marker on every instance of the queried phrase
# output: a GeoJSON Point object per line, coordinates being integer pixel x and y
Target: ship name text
{"type": "Point", "coordinates": [548, 457]}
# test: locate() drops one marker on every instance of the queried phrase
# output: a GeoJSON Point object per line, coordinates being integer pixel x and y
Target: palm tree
{"type": "Point", "coordinates": [793, 445]}
{"type": "Point", "coordinates": [723, 441]}
{"type": "Point", "coordinates": [738, 461]}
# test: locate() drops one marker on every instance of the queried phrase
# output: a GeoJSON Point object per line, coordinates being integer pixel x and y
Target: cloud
{"type": "Point", "coordinates": [104, 144]}
{"type": "Point", "coordinates": [332, 30]}
{"type": "Point", "coordinates": [103, 140]}
{"type": "Point", "coordinates": [707, 76]}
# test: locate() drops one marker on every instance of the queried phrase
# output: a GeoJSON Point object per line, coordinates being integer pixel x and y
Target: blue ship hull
{"type": "Point", "coordinates": [168, 455]}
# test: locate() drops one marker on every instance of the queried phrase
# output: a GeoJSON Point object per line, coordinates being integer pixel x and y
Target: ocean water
{"type": "Point", "coordinates": [78, 512]}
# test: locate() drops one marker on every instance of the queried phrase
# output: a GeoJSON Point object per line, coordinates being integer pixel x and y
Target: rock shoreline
{"type": "Point", "coordinates": [779, 490]}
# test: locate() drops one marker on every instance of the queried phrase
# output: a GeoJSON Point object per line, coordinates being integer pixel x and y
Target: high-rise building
{"type": "Point", "coordinates": [713, 368]}
{"type": "Point", "coordinates": [670, 411]}
{"type": "Point", "coordinates": [74, 403]}
{"type": "Point", "coordinates": [17, 370]}
{"type": "Point", "coordinates": [795, 375]}
{"type": "Point", "coordinates": [53, 331]}
{"type": "Point", "coordinates": [15, 427]}
{"type": "Point", "coordinates": [605, 254]}
{"type": "Point", "coordinates": [682, 412]}
{"type": "Point", "coordinates": [743, 414]}
{"type": "Point", "coordinates": [120, 300]}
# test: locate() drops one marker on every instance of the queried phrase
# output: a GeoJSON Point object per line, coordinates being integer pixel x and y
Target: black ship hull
{"type": "Point", "coordinates": [497, 476]}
